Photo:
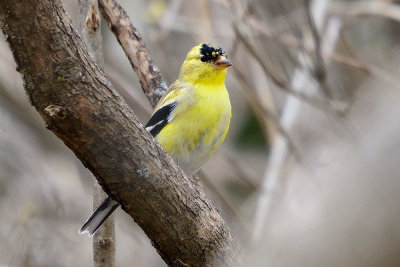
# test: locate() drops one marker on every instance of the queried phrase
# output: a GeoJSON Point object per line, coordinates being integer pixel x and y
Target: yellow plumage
{"type": "Point", "coordinates": [190, 121]}
{"type": "Point", "coordinates": [200, 118]}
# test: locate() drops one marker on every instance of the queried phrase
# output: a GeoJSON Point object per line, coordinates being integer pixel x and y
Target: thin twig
{"type": "Point", "coordinates": [366, 68]}
{"type": "Point", "coordinates": [263, 114]}
{"type": "Point", "coordinates": [301, 81]}
{"type": "Point", "coordinates": [239, 171]}
{"type": "Point", "coordinates": [226, 202]}
{"type": "Point", "coordinates": [362, 8]}
{"type": "Point", "coordinates": [319, 70]}
{"type": "Point", "coordinates": [322, 104]}
{"type": "Point", "coordinates": [290, 41]}
{"type": "Point", "coordinates": [279, 81]}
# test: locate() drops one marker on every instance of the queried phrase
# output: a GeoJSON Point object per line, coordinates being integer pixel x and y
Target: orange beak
{"type": "Point", "coordinates": [222, 63]}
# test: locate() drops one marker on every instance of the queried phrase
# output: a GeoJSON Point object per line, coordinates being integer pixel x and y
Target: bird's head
{"type": "Point", "coordinates": [205, 64]}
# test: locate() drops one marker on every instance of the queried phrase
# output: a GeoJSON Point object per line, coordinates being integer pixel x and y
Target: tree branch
{"type": "Point", "coordinates": [82, 108]}
{"type": "Point", "coordinates": [135, 49]}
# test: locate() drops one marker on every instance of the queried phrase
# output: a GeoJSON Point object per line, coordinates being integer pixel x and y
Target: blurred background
{"type": "Point", "coordinates": [310, 172]}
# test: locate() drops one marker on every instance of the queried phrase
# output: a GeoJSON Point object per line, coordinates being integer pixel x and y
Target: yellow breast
{"type": "Point", "coordinates": [198, 127]}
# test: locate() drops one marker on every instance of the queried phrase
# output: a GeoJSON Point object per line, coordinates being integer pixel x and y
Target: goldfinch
{"type": "Point", "coordinates": [190, 121]}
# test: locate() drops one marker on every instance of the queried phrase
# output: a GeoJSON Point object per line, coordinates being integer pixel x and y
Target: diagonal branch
{"type": "Point", "coordinates": [82, 108]}
{"type": "Point", "coordinates": [131, 41]}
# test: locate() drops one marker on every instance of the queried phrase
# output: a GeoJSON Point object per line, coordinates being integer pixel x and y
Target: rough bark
{"type": "Point", "coordinates": [90, 27]}
{"type": "Point", "coordinates": [83, 109]}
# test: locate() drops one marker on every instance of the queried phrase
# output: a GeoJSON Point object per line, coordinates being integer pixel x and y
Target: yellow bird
{"type": "Point", "coordinates": [190, 121]}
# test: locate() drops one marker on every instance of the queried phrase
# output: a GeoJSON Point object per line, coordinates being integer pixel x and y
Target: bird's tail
{"type": "Point", "coordinates": [99, 216]}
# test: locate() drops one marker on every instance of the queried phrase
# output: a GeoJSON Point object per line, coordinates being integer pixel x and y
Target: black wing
{"type": "Point", "coordinates": [160, 118]}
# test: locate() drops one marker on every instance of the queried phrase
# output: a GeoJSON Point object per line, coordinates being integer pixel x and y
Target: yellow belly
{"type": "Point", "coordinates": [197, 131]}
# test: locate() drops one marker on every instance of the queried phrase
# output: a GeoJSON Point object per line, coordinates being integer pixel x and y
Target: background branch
{"type": "Point", "coordinates": [131, 41]}
{"type": "Point", "coordinates": [301, 82]}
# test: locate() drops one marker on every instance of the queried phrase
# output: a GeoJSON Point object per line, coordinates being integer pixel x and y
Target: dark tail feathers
{"type": "Point", "coordinates": [99, 216]}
